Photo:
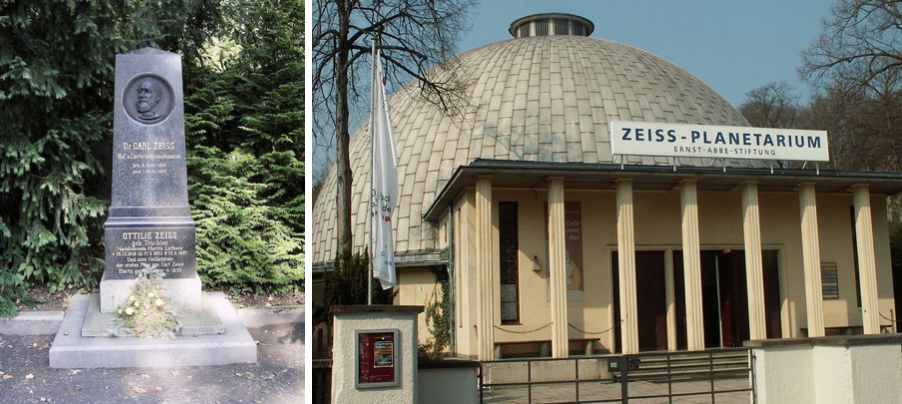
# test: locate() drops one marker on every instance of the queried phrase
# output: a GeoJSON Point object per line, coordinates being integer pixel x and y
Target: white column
{"type": "Point", "coordinates": [811, 257]}
{"type": "Point", "coordinates": [867, 265]}
{"type": "Point", "coordinates": [485, 300]}
{"type": "Point", "coordinates": [751, 226]}
{"type": "Point", "coordinates": [692, 267]}
{"type": "Point", "coordinates": [557, 250]}
{"type": "Point", "coordinates": [626, 258]}
{"type": "Point", "coordinates": [670, 300]}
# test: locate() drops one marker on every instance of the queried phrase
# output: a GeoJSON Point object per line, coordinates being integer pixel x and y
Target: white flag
{"type": "Point", "coordinates": [384, 183]}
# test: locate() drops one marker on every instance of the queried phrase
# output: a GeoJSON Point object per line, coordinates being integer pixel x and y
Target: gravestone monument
{"type": "Point", "coordinates": [150, 223]}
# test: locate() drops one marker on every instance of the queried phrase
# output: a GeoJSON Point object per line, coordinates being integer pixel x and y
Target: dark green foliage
{"type": "Point", "coordinates": [244, 128]}
{"type": "Point", "coordinates": [438, 318]}
{"type": "Point", "coordinates": [346, 285]}
{"type": "Point", "coordinates": [245, 133]}
{"type": "Point", "coordinates": [56, 81]}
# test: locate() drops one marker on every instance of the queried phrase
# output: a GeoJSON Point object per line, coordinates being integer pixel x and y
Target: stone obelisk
{"type": "Point", "coordinates": [149, 223]}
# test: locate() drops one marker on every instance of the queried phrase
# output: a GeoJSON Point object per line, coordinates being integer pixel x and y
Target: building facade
{"type": "Point", "coordinates": [552, 243]}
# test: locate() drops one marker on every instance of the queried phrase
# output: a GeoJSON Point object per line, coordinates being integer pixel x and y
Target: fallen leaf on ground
{"type": "Point", "coordinates": [74, 372]}
{"type": "Point", "coordinates": [249, 376]}
{"type": "Point", "coordinates": [139, 390]}
{"type": "Point", "coordinates": [174, 372]}
{"type": "Point", "coordinates": [7, 377]}
{"type": "Point", "coordinates": [144, 375]}
{"type": "Point", "coordinates": [29, 376]}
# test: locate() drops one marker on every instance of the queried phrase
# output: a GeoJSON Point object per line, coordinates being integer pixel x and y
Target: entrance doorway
{"type": "Point", "coordinates": [651, 304]}
{"type": "Point", "coordinates": [724, 298]}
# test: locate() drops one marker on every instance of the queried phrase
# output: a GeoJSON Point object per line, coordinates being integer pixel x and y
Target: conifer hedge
{"type": "Point", "coordinates": [244, 134]}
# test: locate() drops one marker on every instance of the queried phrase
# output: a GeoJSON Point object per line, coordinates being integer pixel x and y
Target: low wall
{"type": "Point", "coordinates": [448, 382]}
{"type": "Point", "coordinates": [860, 369]}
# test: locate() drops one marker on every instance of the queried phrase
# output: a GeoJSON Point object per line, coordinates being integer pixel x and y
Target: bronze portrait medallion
{"type": "Point", "coordinates": [148, 99]}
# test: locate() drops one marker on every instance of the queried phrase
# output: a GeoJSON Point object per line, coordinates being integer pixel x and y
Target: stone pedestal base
{"type": "Point", "coordinates": [202, 322]}
{"type": "Point", "coordinates": [184, 293]}
{"type": "Point", "coordinates": [71, 350]}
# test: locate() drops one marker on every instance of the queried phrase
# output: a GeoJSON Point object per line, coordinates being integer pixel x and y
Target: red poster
{"type": "Point", "coordinates": [376, 357]}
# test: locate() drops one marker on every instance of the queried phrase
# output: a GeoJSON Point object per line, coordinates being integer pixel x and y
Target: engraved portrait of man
{"type": "Point", "coordinates": [149, 95]}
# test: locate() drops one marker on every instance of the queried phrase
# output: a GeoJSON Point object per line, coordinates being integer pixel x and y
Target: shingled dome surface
{"type": "Point", "coordinates": [546, 99]}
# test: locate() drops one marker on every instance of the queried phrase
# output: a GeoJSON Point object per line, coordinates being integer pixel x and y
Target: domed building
{"type": "Point", "coordinates": [555, 243]}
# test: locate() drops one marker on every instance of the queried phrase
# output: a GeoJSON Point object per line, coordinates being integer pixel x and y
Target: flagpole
{"type": "Point", "coordinates": [369, 277]}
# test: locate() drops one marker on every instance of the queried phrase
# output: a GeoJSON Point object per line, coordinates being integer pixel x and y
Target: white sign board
{"type": "Point", "coordinates": [733, 142]}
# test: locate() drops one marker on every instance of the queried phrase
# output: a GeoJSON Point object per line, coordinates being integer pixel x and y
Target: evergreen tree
{"type": "Point", "coordinates": [56, 82]}
{"type": "Point", "coordinates": [246, 174]}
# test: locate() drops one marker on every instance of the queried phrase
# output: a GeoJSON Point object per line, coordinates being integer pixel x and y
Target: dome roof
{"type": "Point", "coordinates": [545, 99]}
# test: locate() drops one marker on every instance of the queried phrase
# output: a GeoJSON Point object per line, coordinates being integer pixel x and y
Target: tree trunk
{"type": "Point", "coordinates": [343, 137]}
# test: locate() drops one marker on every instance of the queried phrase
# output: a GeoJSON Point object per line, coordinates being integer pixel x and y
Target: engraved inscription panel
{"type": "Point", "coordinates": [130, 249]}
{"type": "Point", "coordinates": [148, 99]}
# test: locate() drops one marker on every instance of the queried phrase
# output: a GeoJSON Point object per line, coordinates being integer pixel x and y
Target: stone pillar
{"type": "Point", "coordinates": [867, 265]}
{"type": "Point", "coordinates": [346, 388]}
{"type": "Point", "coordinates": [557, 250]}
{"type": "Point", "coordinates": [149, 198]}
{"type": "Point", "coordinates": [626, 258]}
{"type": "Point", "coordinates": [692, 266]}
{"type": "Point", "coordinates": [751, 226]}
{"type": "Point", "coordinates": [485, 298]}
{"type": "Point", "coordinates": [670, 300]}
{"type": "Point", "coordinates": [811, 257]}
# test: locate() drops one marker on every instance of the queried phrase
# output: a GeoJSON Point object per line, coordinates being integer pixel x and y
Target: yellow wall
{"type": "Point", "coordinates": [657, 227]}
{"type": "Point", "coordinates": [415, 288]}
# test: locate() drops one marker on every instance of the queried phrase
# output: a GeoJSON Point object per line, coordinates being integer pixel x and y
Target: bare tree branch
{"type": "Point", "coordinates": [415, 36]}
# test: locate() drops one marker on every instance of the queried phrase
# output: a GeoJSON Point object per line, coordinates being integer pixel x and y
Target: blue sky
{"type": "Point", "coordinates": [734, 46]}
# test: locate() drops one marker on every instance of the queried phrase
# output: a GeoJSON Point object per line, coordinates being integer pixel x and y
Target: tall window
{"type": "Point", "coordinates": [541, 27]}
{"type": "Point", "coordinates": [510, 268]}
{"type": "Point", "coordinates": [561, 27]}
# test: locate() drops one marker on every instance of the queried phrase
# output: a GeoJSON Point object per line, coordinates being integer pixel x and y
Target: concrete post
{"type": "Point", "coordinates": [867, 265]}
{"type": "Point", "coordinates": [754, 272]}
{"type": "Point", "coordinates": [557, 251]}
{"type": "Point", "coordinates": [692, 266]}
{"type": "Point", "coordinates": [349, 320]}
{"type": "Point", "coordinates": [626, 258]}
{"type": "Point", "coordinates": [811, 257]}
{"type": "Point", "coordinates": [485, 247]}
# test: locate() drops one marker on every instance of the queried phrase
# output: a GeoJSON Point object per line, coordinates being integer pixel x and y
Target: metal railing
{"type": "Point", "coordinates": [699, 368]}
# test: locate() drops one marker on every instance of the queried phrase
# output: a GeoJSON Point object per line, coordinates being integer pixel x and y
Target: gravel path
{"type": "Point", "coordinates": [278, 378]}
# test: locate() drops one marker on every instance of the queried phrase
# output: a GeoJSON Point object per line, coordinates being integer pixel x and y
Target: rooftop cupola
{"type": "Point", "coordinates": [551, 24]}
